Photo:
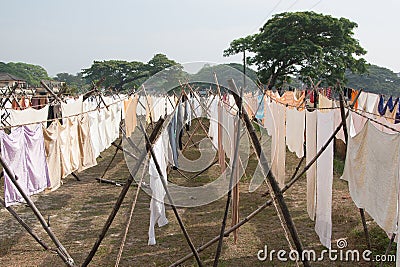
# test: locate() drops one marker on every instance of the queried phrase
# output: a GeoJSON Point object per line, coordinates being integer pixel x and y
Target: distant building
{"type": "Point", "coordinates": [398, 74]}
{"type": "Point", "coordinates": [9, 80]}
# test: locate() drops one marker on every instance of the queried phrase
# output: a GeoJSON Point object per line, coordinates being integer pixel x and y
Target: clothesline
{"type": "Point", "coordinates": [64, 117]}
{"type": "Point", "coordinates": [373, 120]}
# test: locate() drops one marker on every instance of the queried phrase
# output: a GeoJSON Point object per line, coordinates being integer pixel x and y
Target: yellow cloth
{"type": "Point", "coordinates": [87, 157]}
{"type": "Point", "coordinates": [53, 154]}
{"type": "Point", "coordinates": [130, 107]}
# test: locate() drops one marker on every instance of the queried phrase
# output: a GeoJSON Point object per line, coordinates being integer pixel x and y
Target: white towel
{"type": "Point", "coordinates": [372, 170]}
{"type": "Point", "coordinates": [295, 131]}
{"type": "Point", "coordinates": [311, 151]}
{"type": "Point", "coordinates": [157, 208]}
{"type": "Point", "coordinates": [323, 218]}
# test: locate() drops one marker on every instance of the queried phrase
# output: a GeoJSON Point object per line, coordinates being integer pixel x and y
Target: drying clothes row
{"type": "Point", "coordinates": [72, 146]}
{"type": "Point", "coordinates": [222, 126]}
{"type": "Point", "coordinates": [156, 107]}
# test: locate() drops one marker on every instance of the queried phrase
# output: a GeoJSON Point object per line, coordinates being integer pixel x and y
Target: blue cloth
{"type": "Point", "coordinates": [260, 111]}
{"type": "Point", "coordinates": [173, 139]}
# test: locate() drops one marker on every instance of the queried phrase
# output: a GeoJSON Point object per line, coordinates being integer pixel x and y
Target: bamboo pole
{"type": "Point", "coordinates": [164, 184]}
{"type": "Point", "coordinates": [346, 136]}
{"type": "Point", "coordinates": [233, 172]}
{"type": "Point", "coordinates": [270, 176]}
{"type": "Point", "coordinates": [122, 195]}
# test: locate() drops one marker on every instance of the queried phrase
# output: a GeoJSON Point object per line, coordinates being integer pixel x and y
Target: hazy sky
{"type": "Point", "coordinates": [66, 36]}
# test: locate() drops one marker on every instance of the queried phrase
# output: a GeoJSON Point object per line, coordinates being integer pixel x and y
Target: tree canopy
{"type": "Point", "coordinates": [303, 44]}
{"type": "Point", "coordinates": [120, 73]}
{"type": "Point", "coordinates": [33, 74]}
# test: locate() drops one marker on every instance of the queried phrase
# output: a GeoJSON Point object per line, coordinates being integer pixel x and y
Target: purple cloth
{"type": "Point", "coordinates": [24, 153]}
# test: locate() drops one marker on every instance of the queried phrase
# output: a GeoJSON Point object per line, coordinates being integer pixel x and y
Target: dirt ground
{"type": "Point", "coordinates": [78, 210]}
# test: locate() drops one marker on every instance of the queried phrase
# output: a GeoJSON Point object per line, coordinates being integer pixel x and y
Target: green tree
{"type": "Point", "coordinates": [74, 83]}
{"type": "Point", "coordinates": [120, 74]}
{"type": "Point", "coordinates": [303, 44]}
{"type": "Point", "coordinates": [33, 74]}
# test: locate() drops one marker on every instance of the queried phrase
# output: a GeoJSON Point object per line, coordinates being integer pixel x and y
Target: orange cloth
{"type": "Point", "coordinates": [354, 94]}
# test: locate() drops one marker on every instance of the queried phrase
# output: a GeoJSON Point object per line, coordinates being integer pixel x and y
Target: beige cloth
{"type": "Point", "coordinates": [324, 103]}
{"type": "Point", "coordinates": [295, 131]}
{"type": "Point", "coordinates": [372, 171]}
{"type": "Point", "coordinates": [278, 144]}
{"type": "Point", "coordinates": [87, 156]}
{"type": "Point", "coordinates": [75, 154]}
{"type": "Point", "coordinates": [311, 152]}
{"type": "Point", "coordinates": [130, 107]}
{"type": "Point", "coordinates": [53, 154]}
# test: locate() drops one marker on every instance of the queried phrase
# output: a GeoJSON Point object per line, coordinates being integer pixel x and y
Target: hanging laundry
{"type": "Point", "coordinates": [39, 102]}
{"type": "Point", "coordinates": [149, 109]}
{"type": "Point", "coordinates": [54, 113]}
{"type": "Point", "coordinates": [323, 214]}
{"type": "Point", "coordinates": [354, 94]}
{"type": "Point", "coordinates": [372, 102]}
{"type": "Point", "coordinates": [173, 139]}
{"type": "Point", "coordinates": [29, 116]}
{"type": "Point", "coordinates": [260, 107]}
{"type": "Point", "coordinates": [72, 107]}
{"type": "Point", "coordinates": [372, 188]}
{"type": "Point", "coordinates": [24, 153]}
{"type": "Point", "coordinates": [278, 143]}
{"type": "Point", "coordinates": [324, 103]}
{"type": "Point", "coordinates": [311, 152]}
{"type": "Point", "coordinates": [53, 154]}
{"type": "Point", "coordinates": [130, 106]}
{"type": "Point", "coordinates": [87, 157]}
{"type": "Point", "coordinates": [213, 117]}
{"type": "Point", "coordinates": [295, 131]}
{"type": "Point", "coordinates": [157, 208]}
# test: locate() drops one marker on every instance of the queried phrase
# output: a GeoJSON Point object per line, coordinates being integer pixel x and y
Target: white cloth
{"type": "Point", "coordinates": [158, 107]}
{"type": "Point", "coordinates": [372, 102]}
{"type": "Point", "coordinates": [213, 116]}
{"type": "Point", "coordinates": [311, 152]}
{"type": "Point", "coordinates": [269, 123]}
{"type": "Point", "coordinates": [198, 110]}
{"type": "Point", "coordinates": [157, 208]}
{"type": "Point", "coordinates": [28, 116]}
{"type": "Point", "coordinates": [141, 107]}
{"type": "Point", "coordinates": [323, 218]}
{"type": "Point", "coordinates": [278, 151]}
{"type": "Point", "coordinates": [295, 131]}
{"type": "Point", "coordinates": [228, 133]}
{"type": "Point", "coordinates": [372, 171]}
{"type": "Point", "coordinates": [72, 107]}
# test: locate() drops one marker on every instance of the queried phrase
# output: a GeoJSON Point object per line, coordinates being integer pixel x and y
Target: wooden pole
{"type": "Point", "coordinates": [270, 176]}
{"type": "Point", "coordinates": [51, 91]}
{"type": "Point", "coordinates": [122, 195]}
{"type": "Point", "coordinates": [61, 251]}
{"type": "Point", "coordinates": [233, 172]}
{"type": "Point", "coordinates": [346, 136]}
{"type": "Point", "coordinates": [164, 184]}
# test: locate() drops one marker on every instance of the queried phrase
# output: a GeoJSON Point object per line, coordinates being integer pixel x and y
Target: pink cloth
{"type": "Point", "coordinates": [24, 153]}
